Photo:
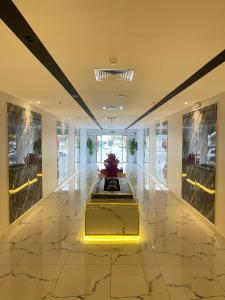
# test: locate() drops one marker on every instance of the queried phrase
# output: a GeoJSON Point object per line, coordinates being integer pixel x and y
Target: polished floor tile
{"type": "Point", "coordinates": [192, 282]}
{"type": "Point", "coordinates": [30, 282]}
{"type": "Point", "coordinates": [178, 257]}
{"type": "Point", "coordinates": [84, 282]}
{"type": "Point", "coordinates": [138, 282]}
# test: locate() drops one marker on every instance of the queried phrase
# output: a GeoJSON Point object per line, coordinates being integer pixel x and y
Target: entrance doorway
{"type": "Point", "coordinates": [111, 144]}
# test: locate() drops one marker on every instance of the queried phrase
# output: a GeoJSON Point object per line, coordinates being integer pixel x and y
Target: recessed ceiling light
{"type": "Point", "coordinates": [122, 96]}
{"type": "Point", "coordinates": [186, 103]}
{"type": "Point", "coordinates": [38, 102]}
{"type": "Point", "coordinates": [112, 107]}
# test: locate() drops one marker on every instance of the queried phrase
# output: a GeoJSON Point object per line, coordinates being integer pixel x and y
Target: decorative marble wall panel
{"type": "Point", "coordinates": [63, 151]}
{"type": "Point", "coordinates": [25, 159]}
{"type": "Point", "coordinates": [199, 160]}
{"type": "Point", "coordinates": [161, 136]}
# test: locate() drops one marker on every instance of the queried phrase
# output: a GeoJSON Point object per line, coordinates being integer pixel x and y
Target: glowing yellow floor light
{"type": "Point", "coordinates": [111, 238]}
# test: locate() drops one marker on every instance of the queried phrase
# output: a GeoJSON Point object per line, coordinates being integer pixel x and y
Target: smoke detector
{"type": "Point", "coordinates": [114, 74]}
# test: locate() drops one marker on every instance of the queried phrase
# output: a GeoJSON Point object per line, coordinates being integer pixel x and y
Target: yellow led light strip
{"type": "Point", "coordinates": [195, 183]}
{"type": "Point", "coordinates": [184, 175]}
{"type": "Point", "coordinates": [23, 186]}
{"type": "Point", "coordinates": [112, 203]}
{"type": "Point", "coordinates": [12, 192]}
{"type": "Point", "coordinates": [209, 191]}
{"type": "Point", "coordinates": [111, 238]}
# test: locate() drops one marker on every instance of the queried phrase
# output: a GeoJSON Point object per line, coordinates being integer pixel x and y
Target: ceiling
{"type": "Point", "coordinates": [164, 41]}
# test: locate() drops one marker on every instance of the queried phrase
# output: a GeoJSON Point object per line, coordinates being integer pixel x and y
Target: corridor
{"type": "Point", "coordinates": [178, 257]}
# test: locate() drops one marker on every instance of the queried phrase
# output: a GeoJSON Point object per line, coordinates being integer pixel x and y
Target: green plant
{"type": "Point", "coordinates": [90, 146]}
{"type": "Point", "coordinates": [132, 146]}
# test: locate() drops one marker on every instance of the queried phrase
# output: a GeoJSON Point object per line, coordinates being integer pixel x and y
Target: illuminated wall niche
{"type": "Point", "coordinates": [24, 158]}
{"type": "Point", "coordinates": [199, 160]}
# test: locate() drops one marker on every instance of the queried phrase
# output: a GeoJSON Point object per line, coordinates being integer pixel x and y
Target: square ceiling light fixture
{"type": "Point", "coordinates": [113, 74]}
{"type": "Point", "coordinates": [111, 107]}
{"type": "Point", "coordinates": [111, 119]}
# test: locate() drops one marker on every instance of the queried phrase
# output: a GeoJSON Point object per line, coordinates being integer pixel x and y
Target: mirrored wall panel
{"type": "Point", "coordinates": [199, 160]}
{"type": "Point", "coordinates": [25, 159]}
{"type": "Point", "coordinates": [63, 151]}
{"type": "Point", "coordinates": [161, 136]}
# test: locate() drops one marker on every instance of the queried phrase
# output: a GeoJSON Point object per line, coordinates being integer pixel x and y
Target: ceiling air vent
{"type": "Point", "coordinates": [112, 74]}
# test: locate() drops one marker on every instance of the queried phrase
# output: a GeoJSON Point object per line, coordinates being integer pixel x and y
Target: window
{"type": "Point", "coordinates": [63, 151]}
{"type": "Point", "coordinates": [161, 131]}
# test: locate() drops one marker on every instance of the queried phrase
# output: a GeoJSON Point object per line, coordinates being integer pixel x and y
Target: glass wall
{"type": "Point", "coordinates": [199, 160]}
{"type": "Point", "coordinates": [24, 159]}
{"type": "Point", "coordinates": [63, 151]}
{"type": "Point", "coordinates": [111, 144]}
{"type": "Point", "coordinates": [161, 136]}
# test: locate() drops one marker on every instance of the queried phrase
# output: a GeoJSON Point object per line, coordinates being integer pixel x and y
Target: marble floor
{"type": "Point", "coordinates": [178, 257]}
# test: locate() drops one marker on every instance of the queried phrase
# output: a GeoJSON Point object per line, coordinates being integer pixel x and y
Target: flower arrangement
{"type": "Point", "coordinates": [111, 166]}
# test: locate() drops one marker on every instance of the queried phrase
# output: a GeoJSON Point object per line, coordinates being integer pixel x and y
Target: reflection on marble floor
{"type": "Point", "coordinates": [178, 257]}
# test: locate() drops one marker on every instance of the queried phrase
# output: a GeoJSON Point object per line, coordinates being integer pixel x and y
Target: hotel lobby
{"type": "Point", "coordinates": [112, 166]}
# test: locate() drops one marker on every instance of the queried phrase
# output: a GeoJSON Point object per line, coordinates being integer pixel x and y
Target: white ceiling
{"type": "Point", "coordinates": [164, 41]}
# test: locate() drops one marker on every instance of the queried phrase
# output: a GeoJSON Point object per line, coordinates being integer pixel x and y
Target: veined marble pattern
{"type": "Point", "coordinates": [178, 257]}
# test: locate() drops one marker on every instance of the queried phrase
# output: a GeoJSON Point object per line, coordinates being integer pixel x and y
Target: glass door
{"type": "Point", "coordinates": [111, 144]}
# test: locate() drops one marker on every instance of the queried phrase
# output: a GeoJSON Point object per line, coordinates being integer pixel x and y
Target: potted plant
{"type": "Point", "coordinates": [132, 147]}
{"type": "Point", "coordinates": [90, 146]}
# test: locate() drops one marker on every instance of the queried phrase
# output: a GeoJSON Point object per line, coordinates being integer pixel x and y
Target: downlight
{"type": "Point", "coordinates": [122, 96]}
{"type": "Point", "coordinates": [111, 107]}
{"type": "Point", "coordinates": [114, 74]}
